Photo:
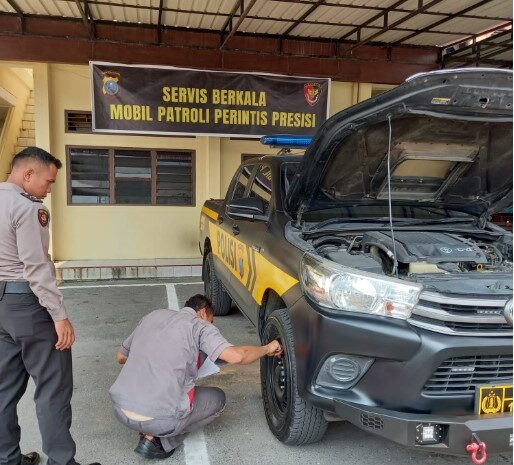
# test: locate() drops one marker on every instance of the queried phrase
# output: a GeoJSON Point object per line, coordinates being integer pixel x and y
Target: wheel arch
{"type": "Point", "coordinates": [206, 249]}
{"type": "Point", "coordinates": [271, 301]}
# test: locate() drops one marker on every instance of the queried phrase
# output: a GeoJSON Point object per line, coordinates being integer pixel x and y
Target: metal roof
{"type": "Point", "coordinates": [356, 22]}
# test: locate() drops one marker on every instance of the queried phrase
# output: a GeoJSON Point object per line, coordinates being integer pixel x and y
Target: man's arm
{"type": "Point", "coordinates": [123, 352]}
{"type": "Point", "coordinates": [243, 355]}
{"type": "Point", "coordinates": [32, 238]}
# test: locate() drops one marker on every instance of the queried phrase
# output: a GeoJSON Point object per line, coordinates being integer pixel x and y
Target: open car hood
{"type": "Point", "coordinates": [451, 147]}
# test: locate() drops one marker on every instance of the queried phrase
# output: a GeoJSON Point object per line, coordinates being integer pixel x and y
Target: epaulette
{"type": "Point", "coordinates": [31, 197]}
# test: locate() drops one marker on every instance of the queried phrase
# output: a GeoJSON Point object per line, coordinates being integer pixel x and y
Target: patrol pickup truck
{"type": "Point", "coordinates": [372, 260]}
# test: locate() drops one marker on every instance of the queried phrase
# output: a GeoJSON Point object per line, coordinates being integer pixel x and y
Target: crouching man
{"type": "Point", "coordinates": [155, 393]}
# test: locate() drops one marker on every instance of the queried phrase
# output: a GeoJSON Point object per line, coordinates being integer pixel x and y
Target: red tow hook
{"type": "Point", "coordinates": [478, 450]}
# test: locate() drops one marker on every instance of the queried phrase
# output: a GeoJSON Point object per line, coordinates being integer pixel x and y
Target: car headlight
{"type": "Point", "coordinates": [342, 288]}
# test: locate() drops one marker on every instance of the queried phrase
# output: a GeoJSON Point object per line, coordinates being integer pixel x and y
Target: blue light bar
{"type": "Point", "coordinates": [282, 140]}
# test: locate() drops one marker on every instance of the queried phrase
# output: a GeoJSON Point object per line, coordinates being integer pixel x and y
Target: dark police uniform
{"type": "Point", "coordinates": [30, 303]}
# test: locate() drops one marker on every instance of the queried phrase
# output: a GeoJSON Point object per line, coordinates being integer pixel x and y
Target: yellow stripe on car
{"type": "Point", "coordinates": [210, 213]}
{"type": "Point", "coordinates": [251, 268]}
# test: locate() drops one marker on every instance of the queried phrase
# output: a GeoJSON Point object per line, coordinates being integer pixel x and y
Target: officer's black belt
{"type": "Point", "coordinates": [16, 287]}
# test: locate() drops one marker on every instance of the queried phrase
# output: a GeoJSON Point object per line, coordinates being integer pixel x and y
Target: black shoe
{"type": "Point", "coordinates": [152, 449]}
{"type": "Point", "coordinates": [32, 458]}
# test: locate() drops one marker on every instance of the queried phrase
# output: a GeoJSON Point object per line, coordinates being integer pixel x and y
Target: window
{"type": "Point", "coordinates": [242, 181]}
{"type": "Point", "coordinates": [133, 177]}
{"type": "Point", "coordinates": [78, 121]}
{"type": "Point", "coordinates": [174, 178]}
{"type": "Point", "coordinates": [261, 186]}
{"type": "Point", "coordinates": [130, 176]}
{"type": "Point", "coordinates": [89, 176]}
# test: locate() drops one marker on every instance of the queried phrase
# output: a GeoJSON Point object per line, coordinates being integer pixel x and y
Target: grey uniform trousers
{"type": "Point", "coordinates": [27, 340]}
{"type": "Point", "coordinates": [209, 403]}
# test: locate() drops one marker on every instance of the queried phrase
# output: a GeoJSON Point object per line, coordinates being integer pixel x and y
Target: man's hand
{"type": "Point", "coordinates": [274, 349]}
{"type": "Point", "coordinates": [65, 334]}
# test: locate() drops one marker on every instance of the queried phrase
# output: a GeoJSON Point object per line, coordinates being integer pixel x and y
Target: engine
{"type": "Point", "coordinates": [415, 252]}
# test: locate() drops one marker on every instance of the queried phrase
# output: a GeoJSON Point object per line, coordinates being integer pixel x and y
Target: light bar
{"type": "Point", "coordinates": [283, 140]}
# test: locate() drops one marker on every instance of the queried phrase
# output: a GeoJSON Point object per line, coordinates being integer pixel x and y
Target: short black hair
{"type": "Point", "coordinates": [199, 301]}
{"type": "Point", "coordinates": [36, 154]}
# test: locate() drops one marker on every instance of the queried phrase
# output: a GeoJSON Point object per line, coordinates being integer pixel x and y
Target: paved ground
{"type": "Point", "coordinates": [103, 314]}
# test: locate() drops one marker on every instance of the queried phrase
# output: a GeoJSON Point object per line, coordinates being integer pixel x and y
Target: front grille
{"type": "Point", "coordinates": [461, 375]}
{"type": "Point", "coordinates": [467, 327]}
{"type": "Point", "coordinates": [461, 316]}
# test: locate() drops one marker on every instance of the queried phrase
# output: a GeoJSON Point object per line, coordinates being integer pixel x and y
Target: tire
{"type": "Point", "coordinates": [291, 419]}
{"type": "Point", "coordinates": [214, 289]}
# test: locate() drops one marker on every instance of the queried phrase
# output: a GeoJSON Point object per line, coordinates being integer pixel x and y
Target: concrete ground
{"type": "Point", "coordinates": [104, 313]}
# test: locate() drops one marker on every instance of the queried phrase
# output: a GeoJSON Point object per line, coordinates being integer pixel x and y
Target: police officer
{"type": "Point", "coordinates": [35, 333]}
{"type": "Point", "coordinates": [155, 393]}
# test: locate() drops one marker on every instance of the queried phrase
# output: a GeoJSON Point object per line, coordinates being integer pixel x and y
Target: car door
{"type": "Point", "coordinates": [251, 234]}
{"type": "Point", "coordinates": [223, 238]}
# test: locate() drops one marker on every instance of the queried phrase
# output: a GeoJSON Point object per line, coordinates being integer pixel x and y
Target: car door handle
{"type": "Point", "coordinates": [235, 230]}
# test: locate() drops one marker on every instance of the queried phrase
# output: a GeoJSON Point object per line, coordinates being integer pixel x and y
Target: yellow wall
{"type": "Point", "coordinates": [17, 86]}
{"type": "Point", "coordinates": [138, 232]}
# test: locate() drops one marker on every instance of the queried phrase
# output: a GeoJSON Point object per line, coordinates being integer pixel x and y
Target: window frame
{"type": "Point", "coordinates": [271, 201]}
{"type": "Point", "coordinates": [236, 179]}
{"type": "Point", "coordinates": [112, 176]}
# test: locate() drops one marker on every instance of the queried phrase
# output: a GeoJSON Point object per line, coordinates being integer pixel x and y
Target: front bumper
{"type": "Point", "coordinates": [494, 430]}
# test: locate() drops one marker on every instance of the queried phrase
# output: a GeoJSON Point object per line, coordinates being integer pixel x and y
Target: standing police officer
{"type": "Point", "coordinates": [35, 333]}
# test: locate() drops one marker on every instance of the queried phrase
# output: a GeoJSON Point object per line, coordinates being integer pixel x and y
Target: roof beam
{"type": "Point", "coordinates": [301, 2]}
{"type": "Point", "coordinates": [486, 61]}
{"type": "Point", "coordinates": [482, 43]}
{"type": "Point", "coordinates": [383, 9]}
{"type": "Point", "coordinates": [15, 7]}
{"type": "Point", "coordinates": [442, 21]}
{"type": "Point", "coordinates": [242, 16]}
{"type": "Point", "coordinates": [19, 12]}
{"type": "Point", "coordinates": [159, 21]}
{"type": "Point", "coordinates": [357, 30]}
{"type": "Point", "coordinates": [86, 17]}
{"type": "Point", "coordinates": [226, 15]}
{"type": "Point", "coordinates": [481, 52]}
{"type": "Point", "coordinates": [421, 8]}
{"type": "Point", "coordinates": [228, 21]}
{"type": "Point", "coordinates": [301, 19]}
{"type": "Point", "coordinates": [473, 37]}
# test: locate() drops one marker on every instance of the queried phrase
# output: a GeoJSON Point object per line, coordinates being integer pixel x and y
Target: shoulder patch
{"type": "Point", "coordinates": [43, 216]}
{"type": "Point", "coordinates": [31, 197]}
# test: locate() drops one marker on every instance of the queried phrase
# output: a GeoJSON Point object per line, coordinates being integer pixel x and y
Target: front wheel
{"type": "Point", "coordinates": [291, 419]}
{"type": "Point", "coordinates": [214, 289]}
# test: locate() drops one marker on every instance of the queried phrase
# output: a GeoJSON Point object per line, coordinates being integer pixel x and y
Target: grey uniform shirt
{"type": "Point", "coordinates": [162, 363]}
{"type": "Point", "coordinates": [24, 241]}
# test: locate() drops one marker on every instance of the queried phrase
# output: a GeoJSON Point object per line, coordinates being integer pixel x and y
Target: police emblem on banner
{"type": "Point", "coordinates": [312, 92]}
{"type": "Point", "coordinates": [110, 83]}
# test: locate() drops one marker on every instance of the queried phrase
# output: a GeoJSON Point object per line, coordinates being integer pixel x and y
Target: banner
{"type": "Point", "coordinates": [137, 99]}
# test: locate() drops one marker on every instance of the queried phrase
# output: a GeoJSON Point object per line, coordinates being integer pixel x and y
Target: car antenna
{"type": "Point", "coordinates": [395, 262]}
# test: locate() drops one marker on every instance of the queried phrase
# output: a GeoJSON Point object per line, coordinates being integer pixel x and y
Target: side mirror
{"type": "Point", "coordinates": [249, 208]}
